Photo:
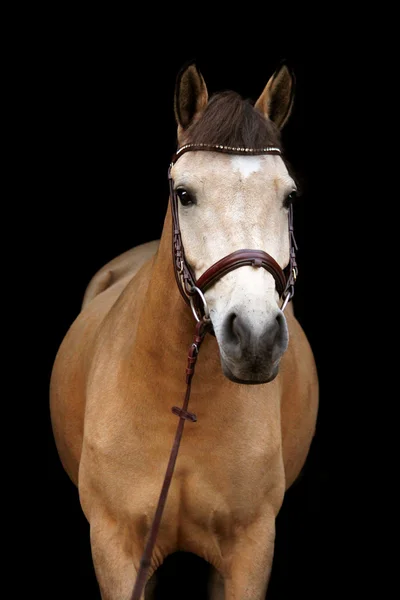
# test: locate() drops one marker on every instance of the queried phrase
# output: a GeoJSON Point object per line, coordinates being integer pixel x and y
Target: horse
{"type": "Point", "coordinates": [120, 367]}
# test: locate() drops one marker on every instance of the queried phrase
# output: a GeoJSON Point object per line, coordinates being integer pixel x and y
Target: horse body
{"type": "Point", "coordinates": [117, 374]}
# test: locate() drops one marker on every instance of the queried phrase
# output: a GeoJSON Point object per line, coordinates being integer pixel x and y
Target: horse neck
{"type": "Point", "coordinates": [166, 326]}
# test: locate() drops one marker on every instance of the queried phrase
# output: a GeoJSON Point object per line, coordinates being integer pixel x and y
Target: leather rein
{"type": "Point", "coordinates": [192, 291]}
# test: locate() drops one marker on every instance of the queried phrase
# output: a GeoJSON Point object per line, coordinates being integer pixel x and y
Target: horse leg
{"type": "Point", "coordinates": [113, 560]}
{"type": "Point", "coordinates": [248, 563]}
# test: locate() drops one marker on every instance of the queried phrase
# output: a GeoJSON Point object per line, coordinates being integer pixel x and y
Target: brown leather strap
{"type": "Point", "coordinates": [291, 270]}
{"type": "Point", "coordinates": [184, 277]}
{"type": "Point", "coordinates": [201, 329]}
{"type": "Point", "coordinates": [241, 258]}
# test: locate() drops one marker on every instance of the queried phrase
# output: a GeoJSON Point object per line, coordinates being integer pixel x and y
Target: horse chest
{"type": "Point", "coordinates": [212, 494]}
{"type": "Point", "coordinates": [207, 506]}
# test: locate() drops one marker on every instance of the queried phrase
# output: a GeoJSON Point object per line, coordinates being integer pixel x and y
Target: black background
{"type": "Point", "coordinates": [112, 122]}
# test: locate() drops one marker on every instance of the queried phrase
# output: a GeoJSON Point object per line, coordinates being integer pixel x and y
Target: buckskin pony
{"type": "Point", "coordinates": [121, 366]}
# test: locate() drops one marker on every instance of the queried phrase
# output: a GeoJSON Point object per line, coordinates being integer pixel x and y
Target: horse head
{"type": "Point", "coordinates": [232, 199]}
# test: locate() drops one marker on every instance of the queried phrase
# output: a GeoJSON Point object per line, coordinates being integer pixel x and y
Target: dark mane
{"type": "Point", "coordinates": [231, 121]}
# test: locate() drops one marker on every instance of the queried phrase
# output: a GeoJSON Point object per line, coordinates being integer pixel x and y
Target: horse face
{"type": "Point", "coordinates": [227, 203]}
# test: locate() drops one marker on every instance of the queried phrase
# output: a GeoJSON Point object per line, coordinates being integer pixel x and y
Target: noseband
{"type": "Point", "coordinates": [192, 290]}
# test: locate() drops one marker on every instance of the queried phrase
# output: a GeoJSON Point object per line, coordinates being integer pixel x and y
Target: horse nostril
{"type": "Point", "coordinates": [236, 330]}
{"type": "Point", "coordinates": [276, 337]}
{"type": "Point", "coordinates": [256, 337]}
{"type": "Point", "coordinates": [231, 329]}
{"type": "Point", "coordinates": [279, 321]}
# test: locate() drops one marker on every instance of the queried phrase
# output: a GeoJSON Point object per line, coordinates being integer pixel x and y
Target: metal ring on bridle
{"type": "Point", "coordinates": [286, 300]}
{"type": "Point", "coordinates": [205, 307]}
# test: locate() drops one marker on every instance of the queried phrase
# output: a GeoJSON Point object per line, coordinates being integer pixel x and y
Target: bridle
{"type": "Point", "coordinates": [192, 291]}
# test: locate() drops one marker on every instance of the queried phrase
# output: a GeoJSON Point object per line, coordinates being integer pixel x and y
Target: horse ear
{"type": "Point", "coordinates": [191, 96]}
{"type": "Point", "coordinates": [276, 101]}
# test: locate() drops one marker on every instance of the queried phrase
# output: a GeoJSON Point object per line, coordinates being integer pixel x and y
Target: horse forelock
{"type": "Point", "coordinates": [229, 120]}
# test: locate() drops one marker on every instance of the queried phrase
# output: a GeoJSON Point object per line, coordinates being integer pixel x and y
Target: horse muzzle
{"type": "Point", "coordinates": [251, 349]}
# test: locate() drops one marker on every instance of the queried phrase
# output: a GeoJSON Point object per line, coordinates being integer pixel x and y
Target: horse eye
{"type": "Point", "coordinates": [290, 198]}
{"type": "Point", "coordinates": [184, 197]}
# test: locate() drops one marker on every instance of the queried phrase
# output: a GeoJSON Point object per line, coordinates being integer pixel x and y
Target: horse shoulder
{"type": "Point", "coordinates": [79, 348]}
{"type": "Point", "coordinates": [123, 267]}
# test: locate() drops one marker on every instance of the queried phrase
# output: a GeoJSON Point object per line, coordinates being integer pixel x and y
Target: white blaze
{"type": "Point", "coordinates": [246, 165]}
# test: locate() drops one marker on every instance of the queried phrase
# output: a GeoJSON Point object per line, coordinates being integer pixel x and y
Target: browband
{"type": "Point", "coordinates": [223, 149]}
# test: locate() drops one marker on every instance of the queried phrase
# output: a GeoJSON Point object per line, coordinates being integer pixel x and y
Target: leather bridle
{"type": "Point", "coordinates": [192, 291]}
